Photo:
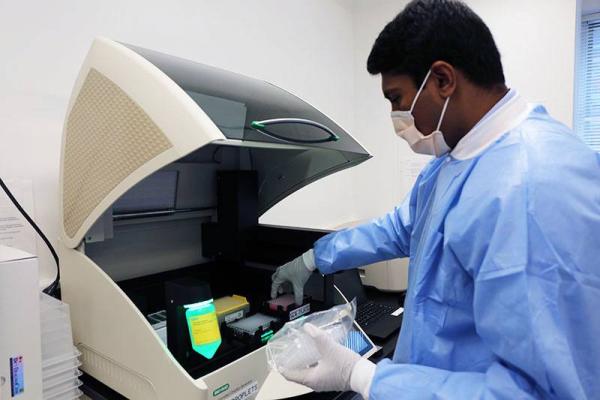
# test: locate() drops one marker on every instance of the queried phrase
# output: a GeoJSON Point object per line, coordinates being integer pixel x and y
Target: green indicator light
{"type": "Point", "coordinates": [256, 125]}
{"type": "Point", "coordinates": [264, 338]}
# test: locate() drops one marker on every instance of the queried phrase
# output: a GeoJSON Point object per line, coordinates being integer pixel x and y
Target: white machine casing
{"type": "Point", "coordinates": [20, 322]}
{"type": "Point", "coordinates": [128, 119]}
{"type": "Point", "coordinates": [388, 276]}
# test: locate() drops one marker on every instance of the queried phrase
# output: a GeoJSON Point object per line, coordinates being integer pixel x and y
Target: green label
{"type": "Point", "coordinates": [221, 389]}
{"type": "Point", "coordinates": [264, 338]}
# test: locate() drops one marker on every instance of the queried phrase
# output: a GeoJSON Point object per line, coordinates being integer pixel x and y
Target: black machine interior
{"type": "Point", "coordinates": [242, 256]}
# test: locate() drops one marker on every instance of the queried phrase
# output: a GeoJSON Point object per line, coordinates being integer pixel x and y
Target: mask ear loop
{"type": "Point", "coordinates": [439, 125]}
{"type": "Point", "coordinates": [412, 106]}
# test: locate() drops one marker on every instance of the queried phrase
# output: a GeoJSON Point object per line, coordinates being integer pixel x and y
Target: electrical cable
{"type": "Point", "coordinates": [53, 287]}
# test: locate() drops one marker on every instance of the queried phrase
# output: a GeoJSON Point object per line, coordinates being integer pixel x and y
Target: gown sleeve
{"type": "Point", "coordinates": [381, 239]}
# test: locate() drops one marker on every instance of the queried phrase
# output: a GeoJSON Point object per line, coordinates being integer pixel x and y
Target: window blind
{"type": "Point", "coordinates": [587, 121]}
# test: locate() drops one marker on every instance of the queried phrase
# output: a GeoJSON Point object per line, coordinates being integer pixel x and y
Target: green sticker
{"type": "Point", "coordinates": [264, 338]}
{"type": "Point", "coordinates": [221, 389]}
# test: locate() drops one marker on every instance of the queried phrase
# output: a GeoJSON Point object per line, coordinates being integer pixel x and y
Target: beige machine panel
{"type": "Point", "coordinates": [108, 136]}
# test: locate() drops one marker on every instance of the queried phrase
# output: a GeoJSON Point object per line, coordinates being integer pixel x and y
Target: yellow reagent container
{"type": "Point", "coordinates": [204, 328]}
{"type": "Point", "coordinates": [231, 308]}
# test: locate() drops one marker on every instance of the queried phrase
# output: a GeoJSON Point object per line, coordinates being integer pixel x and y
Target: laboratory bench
{"type": "Point", "coordinates": [95, 390]}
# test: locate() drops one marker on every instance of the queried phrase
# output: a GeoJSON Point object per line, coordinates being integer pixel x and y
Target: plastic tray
{"type": "Point", "coordinates": [59, 307]}
{"type": "Point", "coordinates": [63, 324]}
{"type": "Point", "coordinates": [52, 309]}
{"type": "Point", "coordinates": [52, 371]}
{"type": "Point", "coordinates": [52, 323]}
{"type": "Point", "coordinates": [57, 347]}
{"type": "Point", "coordinates": [256, 333]}
{"type": "Point", "coordinates": [56, 353]}
{"type": "Point", "coordinates": [62, 390]}
{"type": "Point", "coordinates": [72, 354]}
{"type": "Point", "coordinates": [290, 312]}
{"type": "Point", "coordinates": [51, 318]}
{"type": "Point", "coordinates": [47, 300]}
{"type": "Point", "coordinates": [53, 313]}
{"type": "Point", "coordinates": [72, 394]}
{"type": "Point", "coordinates": [57, 335]}
{"type": "Point", "coordinates": [60, 378]}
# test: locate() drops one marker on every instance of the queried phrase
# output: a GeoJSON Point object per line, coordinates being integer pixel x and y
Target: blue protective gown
{"type": "Point", "coordinates": [503, 297]}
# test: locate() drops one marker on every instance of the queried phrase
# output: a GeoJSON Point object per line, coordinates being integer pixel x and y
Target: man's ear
{"type": "Point", "coordinates": [444, 76]}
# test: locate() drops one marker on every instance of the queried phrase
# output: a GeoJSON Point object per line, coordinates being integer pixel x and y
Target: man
{"type": "Point", "coordinates": [502, 229]}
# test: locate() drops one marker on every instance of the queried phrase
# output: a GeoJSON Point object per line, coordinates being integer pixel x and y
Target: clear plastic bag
{"type": "Point", "coordinates": [293, 348]}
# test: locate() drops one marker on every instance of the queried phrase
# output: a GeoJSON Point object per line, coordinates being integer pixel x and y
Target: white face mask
{"type": "Point", "coordinates": [404, 125]}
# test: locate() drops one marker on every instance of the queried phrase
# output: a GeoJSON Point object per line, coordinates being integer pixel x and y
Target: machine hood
{"type": "Point", "coordinates": [134, 111]}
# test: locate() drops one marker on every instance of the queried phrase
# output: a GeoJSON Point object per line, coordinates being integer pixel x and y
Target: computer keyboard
{"type": "Point", "coordinates": [369, 312]}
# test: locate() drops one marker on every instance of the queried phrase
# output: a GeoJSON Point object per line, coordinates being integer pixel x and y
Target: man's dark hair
{"type": "Point", "coordinates": [430, 30]}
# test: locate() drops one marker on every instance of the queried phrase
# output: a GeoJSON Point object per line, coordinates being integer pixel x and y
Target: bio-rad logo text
{"type": "Point", "coordinates": [220, 390]}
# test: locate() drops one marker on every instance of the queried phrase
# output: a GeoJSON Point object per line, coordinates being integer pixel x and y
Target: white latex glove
{"type": "Point", "coordinates": [335, 369]}
{"type": "Point", "coordinates": [296, 272]}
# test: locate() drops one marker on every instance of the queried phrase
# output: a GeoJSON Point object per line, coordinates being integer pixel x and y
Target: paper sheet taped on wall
{"type": "Point", "coordinates": [15, 231]}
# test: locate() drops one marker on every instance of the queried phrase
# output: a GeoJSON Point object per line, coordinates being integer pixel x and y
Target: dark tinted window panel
{"type": "Point", "coordinates": [236, 103]}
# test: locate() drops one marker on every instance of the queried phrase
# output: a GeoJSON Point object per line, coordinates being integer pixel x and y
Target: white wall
{"type": "Point", "coordinates": [382, 183]}
{"type": "Point", "coordinates": [305, 47]}
{"type": "Point", "coordinates": [536, 39]}
{"type": "Point", "coordinates": [316, 49]}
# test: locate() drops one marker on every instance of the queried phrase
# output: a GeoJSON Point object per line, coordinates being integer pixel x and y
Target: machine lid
{"type": "Point", "coordinates": [134, 111]}
{"type": "Point", "coordinates": [281, 168]}
{"type": "Point", "coordinates": [249, 109]}
{"type": "Point", "coordinates": [289, 142]}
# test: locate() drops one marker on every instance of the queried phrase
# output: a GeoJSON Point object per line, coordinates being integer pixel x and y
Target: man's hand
{"type": "Point", "coordinates": [295, 272]}
{"type": "Point", "coordinates": [334, 369]}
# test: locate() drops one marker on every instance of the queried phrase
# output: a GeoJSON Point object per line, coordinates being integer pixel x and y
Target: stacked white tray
{"type": "Point", "coordinates": [60, 361]}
